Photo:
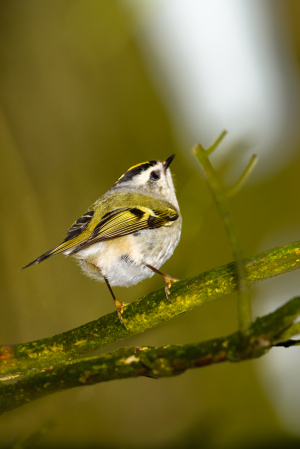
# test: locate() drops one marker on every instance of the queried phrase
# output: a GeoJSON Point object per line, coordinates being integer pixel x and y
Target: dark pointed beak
{"type": "Point", "coordinates": [168, 161]}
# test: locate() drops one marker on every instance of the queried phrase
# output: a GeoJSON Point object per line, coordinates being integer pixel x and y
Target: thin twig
{"type": "Point", "coordinates": [219, 195]}
{"type": "Point", "coordinates": [243, 178]}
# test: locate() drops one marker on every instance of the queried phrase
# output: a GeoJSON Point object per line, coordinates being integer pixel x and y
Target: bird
{"type": "Point", "coordinates": [129, 232]}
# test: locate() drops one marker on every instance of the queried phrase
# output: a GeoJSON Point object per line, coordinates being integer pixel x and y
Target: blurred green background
{"type": "Point", "coordinates": [78, 106]}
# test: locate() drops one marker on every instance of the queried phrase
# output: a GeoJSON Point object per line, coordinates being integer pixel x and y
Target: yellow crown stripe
{"type": "Point", "coordinates": [137, 165]}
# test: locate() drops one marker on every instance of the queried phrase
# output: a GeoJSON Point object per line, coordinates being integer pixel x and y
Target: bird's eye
{"type": "Point", "coordinates": [154, 175]}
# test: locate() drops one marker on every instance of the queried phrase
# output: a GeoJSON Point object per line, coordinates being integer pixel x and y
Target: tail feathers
{"type": "Point", "coordinates": [43, 257]}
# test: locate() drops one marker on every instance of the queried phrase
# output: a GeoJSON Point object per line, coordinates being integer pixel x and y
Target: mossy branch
{"type": "Point", "coordinates": [158, 362]}
{"type": "Point", "coordinates": [46, 366]}
{"type": "Point", "coordinates": [147, 312]}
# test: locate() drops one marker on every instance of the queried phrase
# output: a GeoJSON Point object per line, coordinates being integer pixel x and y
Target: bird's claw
{"type": "Point", "coordinates": [169, 281]}
{"type": "Point", "coordinates": [120, 308]}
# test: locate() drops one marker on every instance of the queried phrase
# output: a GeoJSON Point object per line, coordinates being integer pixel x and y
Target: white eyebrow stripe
{"type": "Point", "coordinates": [143, 177]}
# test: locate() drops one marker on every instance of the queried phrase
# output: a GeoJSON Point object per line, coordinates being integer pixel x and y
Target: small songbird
{"type": "Point", "coordinates": [129, 232]}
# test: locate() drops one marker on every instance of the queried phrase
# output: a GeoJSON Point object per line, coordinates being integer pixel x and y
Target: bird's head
{"type": "Point", "coordinates": [150, 177]}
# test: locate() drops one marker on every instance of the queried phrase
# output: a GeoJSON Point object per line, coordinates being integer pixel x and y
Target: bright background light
{"type": "Point", "coordinates": [218, 65]}
{"type": "Point", "coordinates": [221, 65]}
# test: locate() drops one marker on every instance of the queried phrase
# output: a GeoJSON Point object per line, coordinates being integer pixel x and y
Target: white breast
{"type": "Point", "coordinates": [122, 260]}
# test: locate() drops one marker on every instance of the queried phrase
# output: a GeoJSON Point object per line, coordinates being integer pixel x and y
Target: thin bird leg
{"type": "Point", "coordinates": [168, 280]}
{"type": "Point", "coordinates": [119, 305]}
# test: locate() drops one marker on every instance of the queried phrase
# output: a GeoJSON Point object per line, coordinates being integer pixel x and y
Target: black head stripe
{"type": "Point", "coordinates": [132, 172]}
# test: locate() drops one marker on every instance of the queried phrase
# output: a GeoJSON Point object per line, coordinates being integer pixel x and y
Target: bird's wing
{"type": "Point", "coordinates": [116, 223]}
{"type": "Point", "coordinates": [128, 220]}
{"type": "Point", "coordinates": [79, 226]}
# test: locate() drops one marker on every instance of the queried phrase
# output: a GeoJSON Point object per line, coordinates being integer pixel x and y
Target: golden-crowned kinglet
{"type": "Point", "coordinates": [129, 232]}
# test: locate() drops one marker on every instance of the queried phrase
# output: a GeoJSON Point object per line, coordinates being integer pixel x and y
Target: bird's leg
{"type": "Point", "coordinates": [168, 280]}
{"type": "Point", "coordinates": [119, 305]}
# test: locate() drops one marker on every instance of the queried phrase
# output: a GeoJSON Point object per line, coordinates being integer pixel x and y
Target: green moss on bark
{"type": "Point", "coordinates": [158, 362]}
{"type": "Point", "coordinates": [147, 312]}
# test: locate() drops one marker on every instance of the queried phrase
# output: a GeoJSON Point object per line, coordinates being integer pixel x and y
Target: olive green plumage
{"type": "Point", "coordinates": [129, 232]}
{"type": "Point", "coordinates": [108, 218]}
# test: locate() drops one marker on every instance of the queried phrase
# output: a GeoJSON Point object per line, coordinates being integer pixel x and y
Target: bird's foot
{"type": "Point", "coordinates": [120, 308]}
{"type": "Point", "coordinates": [169, 281]}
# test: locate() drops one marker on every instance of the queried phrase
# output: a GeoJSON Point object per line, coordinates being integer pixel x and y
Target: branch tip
{"type": "Point", "coordinates": [219, 195]}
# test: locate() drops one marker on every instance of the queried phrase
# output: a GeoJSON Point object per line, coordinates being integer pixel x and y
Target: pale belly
{"type": "Point", "coordinates": [123, 260]}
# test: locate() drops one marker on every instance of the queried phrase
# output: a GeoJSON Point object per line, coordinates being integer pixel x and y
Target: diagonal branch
{"type": "Point", "coordinates": [158, 362]}
{"type": "Point", "coordinates": [147, 312]}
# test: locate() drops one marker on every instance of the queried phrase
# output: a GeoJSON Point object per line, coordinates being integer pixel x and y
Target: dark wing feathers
{"type": "Point", "coordinates": [41, 258]}
{"type": "Point", "coordinates": [118, 222]}
{"type": "Point", "coordinates": [79, 226]}
{"type": "Point", "coordinates": [124, 221]}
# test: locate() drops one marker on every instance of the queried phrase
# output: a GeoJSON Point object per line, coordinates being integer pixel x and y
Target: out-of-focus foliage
{"type": "Point", "coordinates": [78, 109]}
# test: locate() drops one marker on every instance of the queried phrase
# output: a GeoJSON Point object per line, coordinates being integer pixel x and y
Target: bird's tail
{"type": "Point", "coordinates": [67, 244]}
{"type": "Point", "coordinates": [51, 252]}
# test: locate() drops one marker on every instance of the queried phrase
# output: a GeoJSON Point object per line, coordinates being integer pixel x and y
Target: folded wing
{"type": "Point", "coordinates": [118, 222]}
{"type": "Point", "coordinates": [128, 220]}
